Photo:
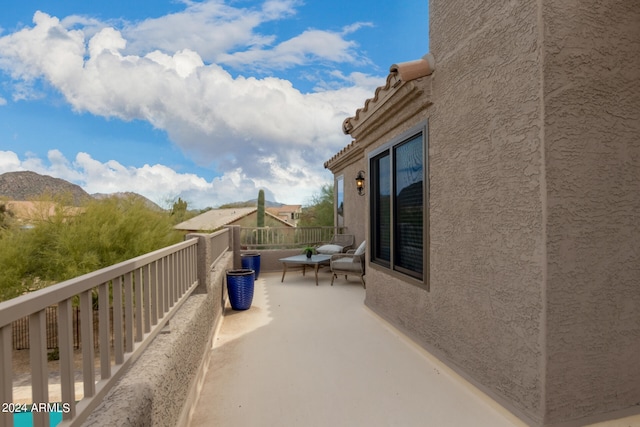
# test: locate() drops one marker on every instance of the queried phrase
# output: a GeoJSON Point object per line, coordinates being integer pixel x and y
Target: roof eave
{"type": "Point", "coordinates": [399, 75]}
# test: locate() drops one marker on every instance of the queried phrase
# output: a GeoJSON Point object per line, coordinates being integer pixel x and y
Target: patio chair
{"type": "Point", "coordinates": [351, 262]}
{"type": "Point", "coordinates": [339, 243]}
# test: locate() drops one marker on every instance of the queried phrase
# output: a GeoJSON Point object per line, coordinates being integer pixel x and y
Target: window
{"type": "Point", "coordinates": [340, 201]}
{"type": "Point", "coordinates": [398, 214]}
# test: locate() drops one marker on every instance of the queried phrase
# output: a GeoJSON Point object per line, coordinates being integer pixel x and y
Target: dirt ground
{"type": "Point", "coordinates": [22, 376]}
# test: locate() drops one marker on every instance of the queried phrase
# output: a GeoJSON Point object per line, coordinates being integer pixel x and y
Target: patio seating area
{"type": "Point", "coordinates": [316, 356]}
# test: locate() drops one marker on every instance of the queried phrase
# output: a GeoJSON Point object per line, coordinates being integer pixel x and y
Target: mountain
{"type": "Point", "coordinates": [127, 194]}
{"type": "Point", "coordinates": [27, 185]}
{"type": "Point", "coordinates": [251, 203]}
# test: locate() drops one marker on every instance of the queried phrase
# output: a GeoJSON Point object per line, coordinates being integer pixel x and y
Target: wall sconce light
{"type": "Point", "coordinates": [360, 183]}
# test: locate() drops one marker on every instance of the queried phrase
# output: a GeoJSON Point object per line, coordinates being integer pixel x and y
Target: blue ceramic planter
{"type": "Point", "coordinates": [251, 261]}
{"type": "Point", "coordinates": [240, 284]}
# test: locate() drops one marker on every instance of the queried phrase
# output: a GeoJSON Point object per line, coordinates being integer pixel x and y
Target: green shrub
{"type": "Point", "coordinates": [75, 241]}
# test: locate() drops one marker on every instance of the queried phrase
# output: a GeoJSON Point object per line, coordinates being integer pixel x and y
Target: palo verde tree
{"type": "Point", "coordinates": [179, 210]}
{"type": "Point", "coordinates": [74, 241]}
{"type": "Point", "coordinates": [319, 212]}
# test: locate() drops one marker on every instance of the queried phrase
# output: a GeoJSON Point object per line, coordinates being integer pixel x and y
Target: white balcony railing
{"type": "Point", "coordinates": [140, 296]}
{"type": "Point", "coordinates": [286, 237]}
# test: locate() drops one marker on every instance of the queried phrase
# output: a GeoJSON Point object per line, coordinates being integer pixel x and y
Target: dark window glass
{"type": "Point", "coordinates": [408, 206]}
{"type": "Point", "coordinates": [398, 197]}
{"type": "Point", "coordinates": [340, 203]}
{"type": "Point", "coordinates": [381, 208]}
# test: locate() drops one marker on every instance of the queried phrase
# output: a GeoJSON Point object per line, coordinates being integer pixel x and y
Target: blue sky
{"type": "Point", "coordinates": [205, 100]}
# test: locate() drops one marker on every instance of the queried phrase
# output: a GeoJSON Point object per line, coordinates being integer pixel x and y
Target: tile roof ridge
{"type": "Point", "coordinates": [415, 69]}
{"type": "Point", "coordinates": [399, 73]}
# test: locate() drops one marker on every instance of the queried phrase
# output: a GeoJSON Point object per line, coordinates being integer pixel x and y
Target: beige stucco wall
{"type": "Point", "coordinates": [592, 147]}
{"type": "Point", "coordinates": [354, 205]}
{"type": "Point", "coordinates": [487, 226]}
{"type": "Point", "coordinates": [534, 159]}
{"type": "Point", "coordinates": [251, 220]}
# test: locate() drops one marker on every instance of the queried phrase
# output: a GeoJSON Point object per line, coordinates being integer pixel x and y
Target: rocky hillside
{"type": "Point", "coordinates": [126, 194]}
{"type": "Point", "coordinates": [27, 185]}
{"type": "Point", "coordinates": [24, 186]}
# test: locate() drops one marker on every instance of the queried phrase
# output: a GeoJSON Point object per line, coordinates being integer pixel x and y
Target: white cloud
{"type": "Point", "coordinates": [306, 48]}
{"type": "Point", "coordinates": [9, 162]}
{"type": "Point", "coordinates": [159, 183]}
{"type": "Point", "coordinates": [159, 70]}
{"type": "Point", "coordinates": [209, 28]}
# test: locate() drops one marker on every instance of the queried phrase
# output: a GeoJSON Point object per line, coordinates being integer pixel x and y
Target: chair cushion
{"type": "Point", "coordinates": [361, 248]}
{"type": "Point", "coordinates": [329, 249]}
{"type": "Point", "coordinates": [345, 264]}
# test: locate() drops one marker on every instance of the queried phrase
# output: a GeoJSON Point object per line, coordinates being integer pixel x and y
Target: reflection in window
{"type": "Point", "coordinates": [381, 208]}
{"type": "Point", "coordinates": [398, 215]}
{"type": "Point", "coordinates": [340, 201]}
{"type": "Point", "coordinates": [408, 206]}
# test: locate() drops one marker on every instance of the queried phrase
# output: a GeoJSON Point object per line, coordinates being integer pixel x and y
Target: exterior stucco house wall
{"type": "Point", "coordinates": [531, 287]}
{"type": "Point", "coordinates": [350, 206]}
{"type": "Point", "coordinates": [591, 91]}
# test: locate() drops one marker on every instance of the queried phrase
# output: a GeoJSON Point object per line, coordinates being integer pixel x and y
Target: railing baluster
{"type": "Point", "coordinates": [179, 276]}
{"type": "Point", "coordinates": [38, 356]}
{"type": "Point", "coordinates": [118, 333]}
{"type": "Point", "coordinates": [185, 271]}
{"type": "Point", "coordinates": [172, 280]}
{"type": "Point", "coordinates": [86, 326]}
{"type": "Point", "coordinates": [154, 293]}
{"type": "Point", "coordinates": [138, 303]}
{"type": "Point", "coordinates": [163, 286]}
{"type": "Point", "coordinates": [194, 265]}
{"type": "Point", "coordinates": [162, 296]}
{"type": "Point", "coordinates": [65, 347]}
{"type": "Point", "coordinates": [146, 297]}
{"type": "Point", "coordinates": [104, 329]}
{"type": "Point", "coordinates": [6, 375]}
{"type": "Point", "coordinates": [185, 274]}
{"type": "Point", "coordinates": [128, 312]}
{"type": "Point", "coordinates": [169, 283]}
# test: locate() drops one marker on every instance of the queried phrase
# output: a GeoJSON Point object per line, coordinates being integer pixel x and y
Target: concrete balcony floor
{"type": "Point", "coordinates": [316, 356]}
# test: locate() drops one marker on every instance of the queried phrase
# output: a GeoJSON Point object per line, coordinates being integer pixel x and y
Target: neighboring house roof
{"type": "Point", "coordinates": [215, 218]}
{"type": "Point", "coordinates": [284, 209]}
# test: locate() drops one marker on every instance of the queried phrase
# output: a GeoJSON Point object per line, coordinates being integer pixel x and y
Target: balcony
{"type": "Point", "coordinates": [316, 356]}
{"type": "Point", "coordinates": [168, 350]}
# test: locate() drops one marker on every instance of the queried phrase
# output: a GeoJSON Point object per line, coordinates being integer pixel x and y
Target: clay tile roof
{"type": "Point", "coordinates": [215, 218]}
{"type": "Point", "coordinates": [341, 153]}
{"type": "Point", "coordinates": [398, 73]}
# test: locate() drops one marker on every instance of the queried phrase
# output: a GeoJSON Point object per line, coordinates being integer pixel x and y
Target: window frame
{"type": "Point", "coordinates": [339, 201]}
{"type": "Point", "coordinates": [389, 149]}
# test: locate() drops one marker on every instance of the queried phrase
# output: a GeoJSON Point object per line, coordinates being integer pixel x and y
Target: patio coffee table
{"type": "Point", "coordinates": [316, 261]}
